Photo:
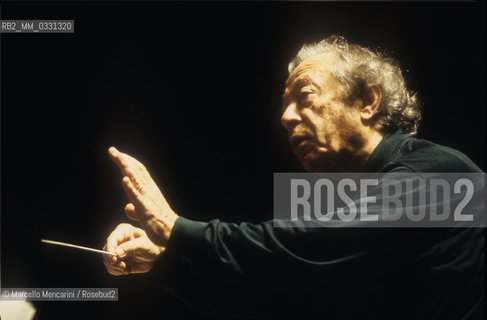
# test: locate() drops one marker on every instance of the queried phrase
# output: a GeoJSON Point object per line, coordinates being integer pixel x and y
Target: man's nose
{"type": "Point", "coordinates": [290, 117]}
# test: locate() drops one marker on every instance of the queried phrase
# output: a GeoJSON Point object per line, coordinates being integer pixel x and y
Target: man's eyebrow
{"type": "Point", "coordinates": [303, 82]}
{"type": "Point", "coordinates": [297, 84]}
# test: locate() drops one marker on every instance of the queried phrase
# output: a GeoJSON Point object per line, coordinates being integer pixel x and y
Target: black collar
{"type": "Point", "coordinates": [386, 150]}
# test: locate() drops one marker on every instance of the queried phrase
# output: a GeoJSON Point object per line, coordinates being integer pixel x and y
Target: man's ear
{"type": "Point", "coordinates": [371, 101]}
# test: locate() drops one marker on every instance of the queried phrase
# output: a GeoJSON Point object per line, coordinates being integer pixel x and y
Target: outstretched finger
{"type": "Point", "coordinates": [116, 156]}
{"type": "Point", "coordinates": [132, 192]}
{"type": "Point", "coordinates": [133, 196]}
{"type": "Point", "coordinates": [129, 166]}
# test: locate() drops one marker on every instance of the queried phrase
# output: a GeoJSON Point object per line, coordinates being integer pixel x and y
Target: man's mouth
{"type": "Point", "coordinates": [298, 141]}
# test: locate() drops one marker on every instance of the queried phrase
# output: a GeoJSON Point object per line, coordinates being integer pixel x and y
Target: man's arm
{"type": "Point", "coordinates": [219, 263]}
{"type": "Point", "coordinates": [243, 249]}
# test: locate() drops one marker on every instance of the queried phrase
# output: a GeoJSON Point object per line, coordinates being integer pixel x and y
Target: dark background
{"type": "Point", "coordinates": [193, 90]}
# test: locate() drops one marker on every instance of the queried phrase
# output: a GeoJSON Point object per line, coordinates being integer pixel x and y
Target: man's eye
{"type": "Point", "coordinates": [303, 96]}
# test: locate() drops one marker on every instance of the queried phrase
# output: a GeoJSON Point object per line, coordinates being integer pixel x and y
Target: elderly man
{"type": "Point", "coordinates": [346, 109]}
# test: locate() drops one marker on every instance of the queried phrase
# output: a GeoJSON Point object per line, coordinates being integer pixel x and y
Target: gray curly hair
{"type": "Point", "coordinates": [358, 66]}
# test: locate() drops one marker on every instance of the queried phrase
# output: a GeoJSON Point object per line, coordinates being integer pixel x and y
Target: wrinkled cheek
{"type": "Point", "coordinates": [323, 136]}
{"type": "Point", "coordinates": [323, 128]}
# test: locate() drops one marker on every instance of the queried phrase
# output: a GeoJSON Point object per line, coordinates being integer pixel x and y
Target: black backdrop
{"type": "Point", "coordinates": [193, 90]}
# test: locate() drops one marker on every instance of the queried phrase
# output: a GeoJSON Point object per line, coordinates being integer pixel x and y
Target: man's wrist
{"type": "Point", "coordinates": [187, 236]}
{"type": "Point", "coordinates": [169, 221]}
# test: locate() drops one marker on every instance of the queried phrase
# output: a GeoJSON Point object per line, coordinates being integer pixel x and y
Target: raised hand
{"type": "Point", "coordinates": [147, 204]}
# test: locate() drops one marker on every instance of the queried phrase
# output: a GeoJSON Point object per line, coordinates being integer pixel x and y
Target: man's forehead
{"type": "Point", "coordinates": [312, 69]}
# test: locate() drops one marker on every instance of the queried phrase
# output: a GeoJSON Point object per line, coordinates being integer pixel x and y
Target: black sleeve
{"type": "Point", "coordinates": [242, 268]}
{"type": "Point", "coordinates": [230, 268]}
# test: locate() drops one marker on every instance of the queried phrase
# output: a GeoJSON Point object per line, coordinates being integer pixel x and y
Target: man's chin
{"type": "Point", "coordinates": [309, 161]}
{"type": "Point", "coordinates": [313, 163]}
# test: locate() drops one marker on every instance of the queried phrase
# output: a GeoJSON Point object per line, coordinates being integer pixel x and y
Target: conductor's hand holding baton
{"type": "Point", "coordinates": [138, 248]}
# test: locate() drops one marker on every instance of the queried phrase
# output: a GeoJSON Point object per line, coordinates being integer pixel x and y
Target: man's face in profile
{"type": "Point", "coordinates": [322, 128]}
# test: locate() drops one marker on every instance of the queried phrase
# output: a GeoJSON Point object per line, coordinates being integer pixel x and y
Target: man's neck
{"type": "Point", "coordinates": [375, 139]}
{"type": "Point", "coordinates": [349, 159]}
{"type": "Point", "coordinates": [357, 162]}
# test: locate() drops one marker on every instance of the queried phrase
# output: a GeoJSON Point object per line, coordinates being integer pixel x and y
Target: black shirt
{"type": "Point", "coordinates": [258, 271]}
